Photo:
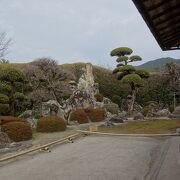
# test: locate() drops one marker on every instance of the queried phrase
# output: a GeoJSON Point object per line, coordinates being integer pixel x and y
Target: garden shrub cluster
{"type": "Point", "coordinates": [8, 119]}
{"type": "Point", "coordinates": [4, 98]}
{"type": "Point", "coordinates": [88, 115]}
{"type": "Point", "coordinates": [12, 83]}
{"type": "Point", "coordinates": [17, 130]}
{"type": "Point", "coordinates": [96, 115]}
{"type": "Point", "coordinates": [51, 124]}
{"type": "Point", "coordinates": [80, 116]}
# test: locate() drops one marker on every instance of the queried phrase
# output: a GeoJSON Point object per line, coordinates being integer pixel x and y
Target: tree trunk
{"type": "Point", "coordinates": [133, 99]}
{"type": "Point", "coordinates": [174, 100]}
{"type": "Point", "coordinates": [131, 105]}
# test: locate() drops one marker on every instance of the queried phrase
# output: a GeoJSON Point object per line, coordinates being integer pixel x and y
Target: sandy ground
{"type": "Point", "coordinates": [101, 158]}
{"type": "Point", "coordinates": [43, 138]}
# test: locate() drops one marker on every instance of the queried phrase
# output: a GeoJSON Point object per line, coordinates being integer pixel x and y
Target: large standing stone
{"type": "Point", "coordinates": [138, 116]}
{"type": "Point", "coordinates": [162, 113]}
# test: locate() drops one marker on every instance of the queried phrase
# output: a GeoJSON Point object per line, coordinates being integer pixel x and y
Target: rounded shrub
{"type": "Point", "coordinates": [127, 68]}
{"type": "Point", "coordinates": [8, 119]}
{"type": "Point", "coordinates": [17, 131]}
{"type": "Point", "coordinates": [99, 97]}
{"type": "Point", "coordinates": [5, 87]}
{"type": "Point", "coordinates": [117, 99]}
{"type": "Point", "coordinates": [19, 96]}
{"type": "Point", "coordinates": [112, 108]}
{"type": "Point", "coordinates": [143, 73]}
{"type": "Point", "coordinates": [80, 116]}
{"type": "Point", "coordinates": [51, 124]}
{"type": "Point", "coordinates": [96, 115]}
{"type": "Point", "coordinates": [4, 109]}
{"type": "Point", "coordinates": [12, 75]}
{"type": "Point", "coordinates": [4, 99]}
{"type": "Point", "coordinates": [121, 51]}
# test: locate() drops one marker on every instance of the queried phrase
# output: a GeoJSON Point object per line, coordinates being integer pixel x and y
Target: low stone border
{"type": "Point", "coordinates": [131, 135]}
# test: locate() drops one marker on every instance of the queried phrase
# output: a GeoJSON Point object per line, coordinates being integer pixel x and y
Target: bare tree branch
{"type": "Point", "coordinates": [4, 44]}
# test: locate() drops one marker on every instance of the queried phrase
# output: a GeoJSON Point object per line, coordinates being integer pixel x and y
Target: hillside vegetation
{"type": "Point", "coordinates": [155, 88]}
{"type": "Point", "coordinates": [157, 63]}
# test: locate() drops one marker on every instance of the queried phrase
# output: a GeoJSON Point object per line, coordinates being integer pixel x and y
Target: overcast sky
{"type": "Point", "coordinates": [76, 30]}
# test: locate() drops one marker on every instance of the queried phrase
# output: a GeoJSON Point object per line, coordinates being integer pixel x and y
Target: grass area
{"type": "Point", "coordinates": [144, 127]}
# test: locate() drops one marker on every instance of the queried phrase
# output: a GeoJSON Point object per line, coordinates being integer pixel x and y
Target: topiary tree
{"type": "Point", "coordinates": [122, 54]}
{"type": "Point", "coordinates": [80, 116]}
{"type": "Point", "coordinates": [127, 73]}
{"type": "Point", "coordinates": [11, 89]}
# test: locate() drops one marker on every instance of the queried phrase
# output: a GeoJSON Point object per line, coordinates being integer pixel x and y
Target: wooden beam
{"type": "Point", "coordinates": [169, 18]}
{"type": "Point", "coordinates": [171, 48]}
{"type": "Point", "coordinates": [169, 33]}
{"type": "Point", "coordinates": [142, 10]}
{"type": "Point", "coordinates": [172, 39]}
{"type": "Point", "coordinates": [169, 9]}
{"type": "Point", "coordinates": [176, 35]}
{"type": "Point", "coordinates": [169, 25]}
{"type": "Point", "coordinates": [155, 6]}
{"type": "Point", "coordinates": [172, 43]}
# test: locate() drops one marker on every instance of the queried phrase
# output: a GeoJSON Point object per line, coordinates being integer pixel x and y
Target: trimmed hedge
{"type": "Point", "coordinates": [80, 116]}
{"type": "Point", "coordinates": [8, 119]}
{"type": "Point", "coordinates": [17, 131]}
{"type": "Point", "coordinates": [51, 124]}
{"type": "Point", "coordinates": [96, 115]}
{"type": "Point", "coordinates": [89, 114]}
{"type": "Point", "coordinates": [4, 109]}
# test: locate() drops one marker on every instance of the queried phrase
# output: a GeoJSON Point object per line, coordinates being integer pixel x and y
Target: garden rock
{"type": "Point", "coordinates": [162, 113]}
{"type": "Point", "coordinates": [29, 117]}
{"type": "Point", "coordinates": [15, 146]}
{"type": "Point", "coordinates": [123, 114]}
{"type": "Point", "coordinates": [116, 119]}
{"type": "Point", "coordinates": [107, 123]}
{"type": "Point", "coordinates": [52, 107]}
{"type": "Point", "coordinates": [138, 116]}
{"type": "Point", "coordinates": [4, 140]}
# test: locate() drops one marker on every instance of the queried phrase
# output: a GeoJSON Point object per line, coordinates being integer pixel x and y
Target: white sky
{"type": "Point", "coordinates": [76, 30]}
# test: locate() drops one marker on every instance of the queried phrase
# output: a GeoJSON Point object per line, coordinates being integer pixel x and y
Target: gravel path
{"type": "Point", "coordinates": [99, 158]}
